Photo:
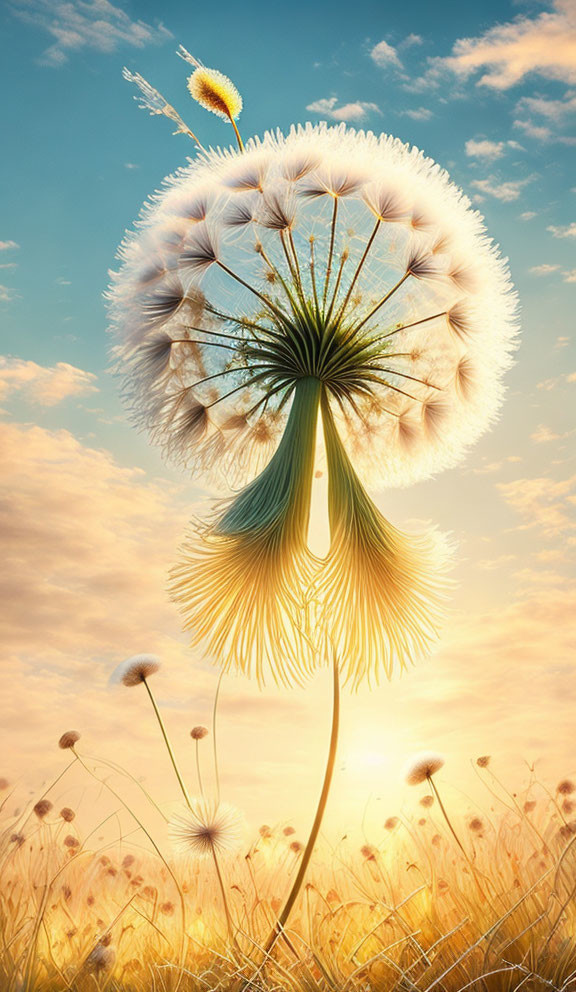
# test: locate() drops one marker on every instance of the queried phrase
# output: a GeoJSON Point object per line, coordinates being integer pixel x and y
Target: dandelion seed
{"type": "Point", "coordinates": [71, 841]}
{"type": "Point", "coordinates": [483, 761]}
{"type": "Point", "coordinates": [427, 801]}
{"type": "Point", "coordinates": [4, 784]}
{"type": "Point", "coordinates": [529, 805]}
{"type": "Point", "coordinates": [296, 847]}
{"type": "Point", "coordinates": [206, 827]}
{"type": "Point", "coordinates": [17, 839]}
{"type": "Point", "coordinates": [566, 787]}
{"type": "Point", "coordinates": [69, 739]}
{"type": "Point", "coordinates": [135, 670]}
{"type": "Point", "coordinates": [67, 814]}
{"type": "Point", "coordinates": [391, 823]}
{"type": "Point", "coordinates": [476, 825]}
{"type": "Point", "coordinates": [288, 831]}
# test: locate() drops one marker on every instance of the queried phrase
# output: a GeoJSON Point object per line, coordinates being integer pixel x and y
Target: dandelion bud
{"type": "Point", "coordinates": [198, 733]}
{"type": "Point", "coordinates": [69, 739]}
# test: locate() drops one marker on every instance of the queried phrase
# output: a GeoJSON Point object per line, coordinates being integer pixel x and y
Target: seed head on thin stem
{"type": "Point", "coordinates": [69, 739]}
{"type": "Point", "coordinates": [135, 670]}
{"type": "Point", "coordinates": [423, 766]}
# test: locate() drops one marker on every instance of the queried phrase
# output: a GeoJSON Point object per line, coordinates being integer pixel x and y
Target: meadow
{"type": "Point", "coordinates": [114, 908]}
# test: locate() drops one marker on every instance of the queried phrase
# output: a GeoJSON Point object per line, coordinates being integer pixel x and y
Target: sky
{"type": "Point", "coordinates": [91, 517]}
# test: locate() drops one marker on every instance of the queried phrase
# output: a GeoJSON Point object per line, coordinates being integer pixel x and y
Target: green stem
{"type": "Point", "coordinates": [168, 745]}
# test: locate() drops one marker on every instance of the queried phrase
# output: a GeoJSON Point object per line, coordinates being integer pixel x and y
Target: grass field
{"type": "Point", "coordinates": [407, 910]}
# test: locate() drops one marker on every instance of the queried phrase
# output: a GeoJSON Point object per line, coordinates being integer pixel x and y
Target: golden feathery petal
{"type": "Point", "coordinates": [241, 584]}
{"type": "Point", "coordinates": [380, 592]}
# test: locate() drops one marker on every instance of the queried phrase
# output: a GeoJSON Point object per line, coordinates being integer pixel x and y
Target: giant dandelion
{"type": "Point", "coordinates": [322, 292]}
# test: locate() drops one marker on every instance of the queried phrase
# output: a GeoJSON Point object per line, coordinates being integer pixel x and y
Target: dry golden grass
{"type": "Point", "coordinates": [407, 911]}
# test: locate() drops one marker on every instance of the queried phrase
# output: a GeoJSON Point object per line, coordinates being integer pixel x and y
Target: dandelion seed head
{"type": "Point", "coordinates": [69, 739]}
{"type": "Point", "coordinates": [42, 808]}
{"type": "Point", "coordinates": [135, 670]}
{"type": "Point", "coordinates": [423, 766]}
{"type": "Point", "coordinates": [206, 827]}
{"type": "Point", "coordinates": [455, 309]}
{"type": "Point", "coordinates": [198, 733]}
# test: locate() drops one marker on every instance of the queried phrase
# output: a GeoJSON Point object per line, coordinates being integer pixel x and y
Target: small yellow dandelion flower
{"type": "Point", "coordinates": [214, 91]}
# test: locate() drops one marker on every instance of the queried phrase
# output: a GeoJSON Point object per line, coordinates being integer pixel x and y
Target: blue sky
{"type": "Point", "coordinates": [487, 90]}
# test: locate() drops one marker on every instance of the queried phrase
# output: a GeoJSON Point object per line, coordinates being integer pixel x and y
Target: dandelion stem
{"type": "Point", "coordinates": [289, 905]}
{"type": "Point", "coordinates": [229, 924]}
{"type": "Point", "coordinates": [237, 133]}
{"type": "Point", "coordinates": [432, 785]}
{"type": "Point", "coordinates": [214, 747]}
{"type": "Point", "coordinates": [198, 772]}
{"type": "Point", "coordinates": [168, 745]}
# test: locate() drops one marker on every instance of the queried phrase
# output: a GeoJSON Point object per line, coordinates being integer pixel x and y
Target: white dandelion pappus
{"type": "Point", "coordinates": [206, 828]}
{"type": "Point", "coordinates": [211, 244]}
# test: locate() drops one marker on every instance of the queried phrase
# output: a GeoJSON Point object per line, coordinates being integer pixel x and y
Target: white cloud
{"type": "Point", "coordinates": [539, 132]}
{"type": "Point", "coordinates": [554, 110]}
{"type": "Point", "coordinates": [505, 54]}
{"type": "Point", "coordinates": [543, 270]}
{"type": "Point", "coordinates": [8, 245]}
{"type": "Point", "coordinates": [43, 385]}
{"type": "Point", "coordinates": [7, 294]}
{"type": "Point", "coordinates": [79, 24]}
{"type": "Point", "coordinates": [543, 435]}
{"type": "Point", "coordinates": [570, 276]}
{"type": "Point", "coordinates": [485, 149]}
{"type": "Point", "coordinates": [569, 231]}
{"type": "Point", "coordinates": [357, 111]}
{"type": "Point", "coordinates": [528, 215]}
{"type": "Point", "coordinates": [385, 55]}
{"type": "Point", "coordinates": [504, 191]}
{"type": "Point", "coordinates": [411, 39]}
{"type": "Point", "coordinates": [420, 114]}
